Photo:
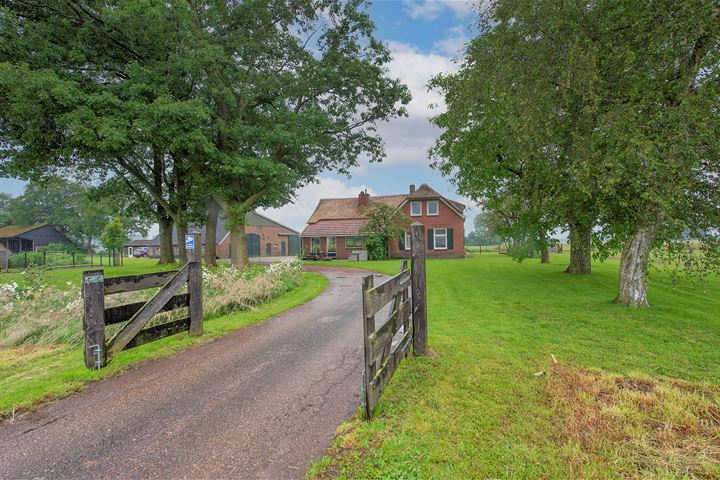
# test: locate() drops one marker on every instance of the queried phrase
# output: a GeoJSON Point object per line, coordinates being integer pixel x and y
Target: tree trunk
{"type": "Point", "coordinates": [89, 245]}
{"type": "Point", "coordinates": [544, 252]}
{"type": "Point", "coordinates": [634, 261]}
{"type": "Point", "coordinates": [166, 245]}
{"type": "Point", "coordinates": [211, 232]}
{"type": "Point", "coordinates": [239, 254]}
{"type": "Point", "coordinates": [580, 250]}
{"type": "Point", "coordinates": [182, 251]}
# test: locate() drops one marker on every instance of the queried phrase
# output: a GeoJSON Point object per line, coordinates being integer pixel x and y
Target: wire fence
{"type": "Point", "coordinates": [51, 260]}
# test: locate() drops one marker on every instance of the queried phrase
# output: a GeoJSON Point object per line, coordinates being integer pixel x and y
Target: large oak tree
{"type": "Point", "coordinates": [241, 102]}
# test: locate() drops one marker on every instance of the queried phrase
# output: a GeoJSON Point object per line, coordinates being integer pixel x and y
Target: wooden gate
{"type": "Point", "coordinates": [137, 315]}
{"type": "Point", "coordinates": [387, 345]}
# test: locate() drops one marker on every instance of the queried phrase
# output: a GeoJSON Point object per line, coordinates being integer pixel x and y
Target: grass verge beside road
{"type": "Point", "coordinates": [634, 393]}
{"type": "Point", "coordinates": [29, 376]}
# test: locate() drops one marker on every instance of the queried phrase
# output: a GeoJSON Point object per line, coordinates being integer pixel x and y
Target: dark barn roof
{"type": "Point", "coordinates": [12, 231]}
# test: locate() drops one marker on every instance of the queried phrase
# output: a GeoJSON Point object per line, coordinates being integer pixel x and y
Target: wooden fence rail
{"type": "Point", "coordinates": [95, 317]}
{"type": "Point", "coordinates": [387, 345]}
{"type": "Point", "coordinates": [382, 353]}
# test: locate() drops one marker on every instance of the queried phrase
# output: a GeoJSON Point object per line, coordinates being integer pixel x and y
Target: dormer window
{"type": "Point", "coordinates": [415, 209]}
{"type": "Point", "coordinates": [432, 208]}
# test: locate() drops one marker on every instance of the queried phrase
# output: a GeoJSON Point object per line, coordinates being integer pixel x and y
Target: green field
{"type": "Point", "coordinates": [60, 277]}
{"type": "Point", "coordinates": [31, 375]}
{"type": "Point", "coordinates": [634, 393]}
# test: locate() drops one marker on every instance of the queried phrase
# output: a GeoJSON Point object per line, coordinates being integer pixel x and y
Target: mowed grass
{"type": "Point", "coordinates": [61, 276]}
{"type": "Point", "coordinates": [634, 393]}
{"type": "Point", "coordinates": [29, 376]}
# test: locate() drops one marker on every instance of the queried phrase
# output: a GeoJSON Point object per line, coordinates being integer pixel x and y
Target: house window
{"type": "Point", "coordinates": [331, 247]}
{"type": "Point", "coordinates": [440, 237]}
{"type": "Point", "coordinates": [315, 246]}
{"type": "Point", "coordinates": [354, 242]}
{"type": "Point", "coordinates": [415, 209]}
{"type": "Point", "coordinates": [432, 207]}
{"type": "Point", "coordinates": [407, 240]}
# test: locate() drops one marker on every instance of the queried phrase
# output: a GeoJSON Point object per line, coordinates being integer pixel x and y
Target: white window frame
{"type": "Point", "coordinates": [437, 208]}
{"type": "Point", "coordinates": [407, 240]}
{"type": "Point", "coordinates": [435, 238]}
{"type": "Point", "coordinates": [419, 213]}
{"type": "Point", "coordinates": [312, 246]}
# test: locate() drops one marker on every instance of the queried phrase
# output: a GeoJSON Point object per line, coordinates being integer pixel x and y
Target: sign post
{"type": "Point", "coordinates": [190, 241]}
{"type": "Point", "coordinates": [193, 245]}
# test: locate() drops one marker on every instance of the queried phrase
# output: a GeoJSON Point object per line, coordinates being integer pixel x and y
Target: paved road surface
{"type": "Point", "coordinates": [263, 402]}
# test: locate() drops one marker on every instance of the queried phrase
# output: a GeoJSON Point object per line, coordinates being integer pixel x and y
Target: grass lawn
{"type": "Point", "coordinates": [31, 375]}
{"type": "Point", "coordinates": [60, 277]}
{"type": "Point", "coordinates": [634, 393]}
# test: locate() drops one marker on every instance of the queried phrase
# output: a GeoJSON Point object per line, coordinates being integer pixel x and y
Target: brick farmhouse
{"type": "Point", "coordinates": [334, 227]}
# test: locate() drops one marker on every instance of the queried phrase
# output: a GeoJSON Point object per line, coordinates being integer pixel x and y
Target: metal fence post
{"type": "Point", "coordinates": [194, 254]}
{"type": "Point", "coordinates": [419, 300]}
{"type": "Point", "coordinates": [93, 290]}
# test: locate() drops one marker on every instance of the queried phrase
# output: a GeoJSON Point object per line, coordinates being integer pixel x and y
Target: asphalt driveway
{"type": "Point", "coordinates": [262, 402]}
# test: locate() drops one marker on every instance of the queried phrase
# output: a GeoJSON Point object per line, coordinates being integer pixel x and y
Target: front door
{"type": "Point", "coordinates": [293, 245]}
{"type": "Point", "coordinates": [331, 247]}
{"type": "Point", "coordinates": [253, 244]}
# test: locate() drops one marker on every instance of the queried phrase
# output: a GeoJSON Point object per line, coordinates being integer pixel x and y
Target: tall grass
{"type": "Point", "coordinates": [35, 313]}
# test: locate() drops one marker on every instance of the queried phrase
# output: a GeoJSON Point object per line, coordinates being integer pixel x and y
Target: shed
{"type": "Point", "coordinates": [30, 238]}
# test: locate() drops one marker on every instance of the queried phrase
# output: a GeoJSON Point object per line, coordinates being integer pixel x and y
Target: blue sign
{"type": "Point", "coordinates": [190, 242]}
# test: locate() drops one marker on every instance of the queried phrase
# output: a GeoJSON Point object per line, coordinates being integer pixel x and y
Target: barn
{"type": "Point", "coordinates": [30, 238]}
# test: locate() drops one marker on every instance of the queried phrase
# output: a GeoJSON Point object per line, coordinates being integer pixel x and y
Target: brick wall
{"type": "Point", "coordinates": [267, 234]}
{"type": "Point", "coordinates": [446, 218]}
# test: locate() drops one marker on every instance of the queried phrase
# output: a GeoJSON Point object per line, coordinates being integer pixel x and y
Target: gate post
{"type": "Point", "coordinates": [93, 291]}
{"type": "Point", "coordinates": [194, 253]}
{"type": "Point", "coordinates": [368, 328]}
{"type": "Point", "coordinates": [419, 303]}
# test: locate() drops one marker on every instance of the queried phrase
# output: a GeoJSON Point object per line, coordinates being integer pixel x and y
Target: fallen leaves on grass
{"type": "Point", "coordinates": [640, 427]}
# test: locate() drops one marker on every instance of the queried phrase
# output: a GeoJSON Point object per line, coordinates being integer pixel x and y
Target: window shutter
{"type": "Point", "coordinates": [431, 239]}
{"type": "Point", "coordinates": [450, 238]}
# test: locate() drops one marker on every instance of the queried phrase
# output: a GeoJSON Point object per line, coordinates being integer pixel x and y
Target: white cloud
{"type": "Point", "coordinates": [408, 139]}
{"type": "Point", "coordinates": [295, 214]}
{"type": "Point", "coordinates": [454, 43]}
{"type": "Point", "coordinates": [429, 10]}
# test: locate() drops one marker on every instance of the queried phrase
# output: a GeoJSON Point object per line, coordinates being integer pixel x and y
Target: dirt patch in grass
{"type": "Point", "coordinates": [636, 427]}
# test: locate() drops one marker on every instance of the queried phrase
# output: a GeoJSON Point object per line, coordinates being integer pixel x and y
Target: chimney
{"type": "Point", "coordinates": [363, 198]}
{"type": "Point", "coordinates": [412, 188]}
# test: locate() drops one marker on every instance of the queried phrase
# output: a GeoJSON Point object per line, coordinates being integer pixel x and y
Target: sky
{"type": "Point", "coordinates": [424, 36]}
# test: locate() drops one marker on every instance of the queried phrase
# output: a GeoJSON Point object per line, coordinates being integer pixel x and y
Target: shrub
{"type": "Point", "coordinates": [376, 248]}
{"type": "Point", "coordinates": [59, 248]}
{"type": "Point", "coordinates": [34, 259]}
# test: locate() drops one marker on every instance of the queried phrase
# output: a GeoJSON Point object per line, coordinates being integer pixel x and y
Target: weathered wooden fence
{"type": "Point", "coordinates": [387, 345]}
{"type": "Point", "coordinates": [97, 351]}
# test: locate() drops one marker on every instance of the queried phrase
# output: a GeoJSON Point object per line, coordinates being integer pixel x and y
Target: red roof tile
{"type": "Point", "coordinates": [339, 228]}
{"type": "Point", "coordinates": [347, 208]}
